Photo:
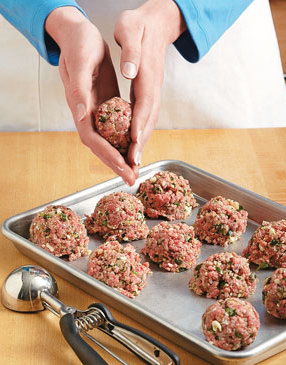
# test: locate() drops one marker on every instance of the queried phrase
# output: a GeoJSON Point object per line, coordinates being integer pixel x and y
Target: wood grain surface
{"type": "Point", "coordinates": [278, 8]}
{"type": "Point", "coordinates": [40, 167]}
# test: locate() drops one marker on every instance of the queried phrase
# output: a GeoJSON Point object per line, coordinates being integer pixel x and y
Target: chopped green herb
{"type": "Point", "coordinates": [197, 268]}
{"type": "Point", "coordinates": [117, 109]}
{"type": "Point", "coordinates": [178, 261]}
{"type": "Point", "coordinates": [221, 284]}
{"type": "Point", "coordinates": [102, 118]}
{"type": "Point", "coordinates": [263, 296]}
{"type": "Point", "coordinates": [231, 312]}
{"type": "Point", "coordinates": [199, 211]}
{"type": "Point", "coordinates": [237, 334]}
{"type": "Point", "coordinates": [252, 277]}
{"type": "Point", "coordinates": [47, 230]}
{"type": "Point", "coordinates": [184, 192]}
{"type": "Point", "coordinates": [268, 281]}
{"type": "Point", "coordinates": [135, 272]}
{"type": "Point", "coordinates": [218, 269]}
{"type": "Point", "coordinates": [240, 208]}
{"type": "Point", "coordinates": [263, 265]}
{"type": "Point", "coordinates": [181, 269]}
{"type": "Point", "coordinates": [274, 242]}
{"type": "Point", "coordinates": [220, 229]}
{"type": "Point", "coordinates": [104, 223]}
{"type": "Point", "coordinates": [46, 216]}
{"type": "Point", "coordinates": [64, 217]}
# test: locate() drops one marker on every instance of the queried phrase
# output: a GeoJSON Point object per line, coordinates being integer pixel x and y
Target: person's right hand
{"type": "Point", "coordinates": [144, 35]}
{"type": "Point", "coordinates": [89, 79]}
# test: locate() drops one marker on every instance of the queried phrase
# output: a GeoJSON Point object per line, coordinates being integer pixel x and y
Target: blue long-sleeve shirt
{"type": "Point", "coordinates": [206, 20]}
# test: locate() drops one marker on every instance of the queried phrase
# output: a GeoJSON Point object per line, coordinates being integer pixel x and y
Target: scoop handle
{"type": "Point", "coordinates": [86, 354]}
{"type": "Point", "coordinates": [143, 345]}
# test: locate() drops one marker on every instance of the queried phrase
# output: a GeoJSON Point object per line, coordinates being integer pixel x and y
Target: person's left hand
{"type": "Point", "coordinates": [144, 35]}
{"type": "Point", "coordinates": [89, 79]}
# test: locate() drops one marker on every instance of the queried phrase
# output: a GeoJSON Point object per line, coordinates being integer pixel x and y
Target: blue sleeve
{"type": "Point", "coordinates": [206, 21]}
{"type": "Point", "coordinates": [29, 17]}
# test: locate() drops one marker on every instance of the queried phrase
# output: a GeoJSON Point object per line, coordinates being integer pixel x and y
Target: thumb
{"type": "Point", "coordinates": [130, 43]}
{"type": "Point", "coordinates": [80, 87]}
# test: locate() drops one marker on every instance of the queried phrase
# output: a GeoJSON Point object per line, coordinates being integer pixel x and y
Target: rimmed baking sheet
{"type": "Point", "coordinates": [166, 305]}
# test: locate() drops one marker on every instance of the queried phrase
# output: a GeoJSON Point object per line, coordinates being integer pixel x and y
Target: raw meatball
{"type": "Point", "coordinates": [230, 324]}
{"type": "Point", "coordinates": [173, 246]}
{"type": "Point", "coordinates": [274, 294]}
{"type": "Point", "coordinates": [220, 221]}
{"type": "Point", "coordinates": [119, 267]}
{"type": "Point", "coordinates": [59, 231]}
{"type": "Point", "coordinates": [112, 121]}
{"type": "Point", "coordinates": [267, 246]}
{"type": "Point", "coordinates": [118, 216]}
{"type": "Point", "coordinates": [168, 195]}
{"type": "Point", "coordinates": [223, 275]}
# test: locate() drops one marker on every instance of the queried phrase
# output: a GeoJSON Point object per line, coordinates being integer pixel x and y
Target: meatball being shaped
{"type": "Point", "coordinates": [59, 231]}
{"type": "Point", "coordinates": [167, 195]}
{"type": "Point", "coordinates": [267, 246]}
{"type": "Point", "coordinates": [230, 324]}
{"type": "Point", "coordinates": [274, 293]}
{"type": "Point", "coordinates": [220, 221]}
{"type": "Point", "coordinates": [119, 267]}
{"type": "Point", "coordinates": [173, 246]}
{"type": "Point", "coordinates": [112, 121]}
{"type": "Point", "coordinates": [118, 216]}
{"type": "Point", "coordinates": [223, 275]}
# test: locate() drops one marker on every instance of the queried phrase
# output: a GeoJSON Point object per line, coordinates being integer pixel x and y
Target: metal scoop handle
{"type": "Point", "coordinates": [143, 345]}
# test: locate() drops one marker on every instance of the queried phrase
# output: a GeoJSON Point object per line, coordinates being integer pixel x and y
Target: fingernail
{"type": "Point", "coordinates": [137, 158]}
{"type": "Point", "coordinates": [138, 139]}
{"type": "Point", "coordinates": [80, 112]}
{"type": "Point", "coordinates": [129, 70]}
{"type": "Point", "coordinates": [117, 167]}
{"type": "Point", "coordinates": [126, 182]}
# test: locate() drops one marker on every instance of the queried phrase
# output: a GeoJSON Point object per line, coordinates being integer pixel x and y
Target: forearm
{"type": "Point", "coordinates": [29, 18]}
{"type": "Point", "coordinates": [206, 21]}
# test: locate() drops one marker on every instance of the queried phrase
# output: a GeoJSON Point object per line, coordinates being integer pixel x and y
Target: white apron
{"type": "Point", "coordinates": [238, 84]}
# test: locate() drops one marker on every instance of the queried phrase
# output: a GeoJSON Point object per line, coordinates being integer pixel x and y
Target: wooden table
{"type": "Point", "coordinates": [40, 167]}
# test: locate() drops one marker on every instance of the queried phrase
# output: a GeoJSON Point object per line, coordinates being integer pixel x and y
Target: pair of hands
{"type": "Point", "coordinates": [89, 78]}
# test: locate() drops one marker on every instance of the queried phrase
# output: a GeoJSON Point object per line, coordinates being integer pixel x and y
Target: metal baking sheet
{"type": "Point", "coordinates": [166, 305]}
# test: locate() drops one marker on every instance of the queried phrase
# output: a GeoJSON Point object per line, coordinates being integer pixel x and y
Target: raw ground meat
{"type": "Point", "coordinates": [267, 246]}
{"type": "Point", "coordinates": [167, 195]}
{"type": "Point", "coordinates": [112, 120]}
{"type": "Point", "coordinates": [223, 275]}
{"type": "Point", "coordinates": [173, 246]}
{"type": "Point", "coordinates": [119, 267]}
{"type": "Point", "coordinates": [118, 216]}
{"type": "Point", "coordinates": [58, 230]}
{"type": "Point", "coordinates": [230, 324]}
{"type": "Point", "coordinates": [274, 293]}
{"type": "Point", "coordinates": [220, 221]}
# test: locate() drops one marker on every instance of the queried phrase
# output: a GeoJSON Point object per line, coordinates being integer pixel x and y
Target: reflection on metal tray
{"type": "Point", "coordinates": [166, 305]}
